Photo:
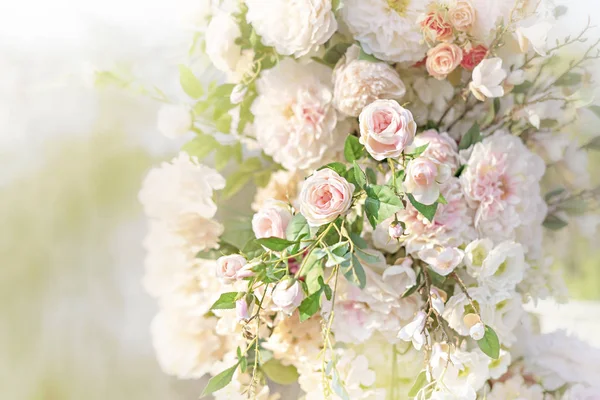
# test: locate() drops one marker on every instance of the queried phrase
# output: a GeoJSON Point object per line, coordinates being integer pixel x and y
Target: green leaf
{"type": "Point", "coordinates": [568, 79]}
{"type": "Point", "coordinates": [235, 183]}
{"type": "Point", "coordinates": [354, 272]}
{"type": "Point", "coordinates": [419, 150]}
{"type": "Point", "coordinates": [523, 87]}
{"type": "Point", "coordinates": [371, 176]}
{"type": "Point", "coordinates": [252, 249]}
{"type": "Point", "coordinates": [279, 373]}
{"type": "Point", "coordinates": [338, 386]}
{"type": "Point", "coordinates": [225, 302]}
{"type": "Point", "coordinates": [593, 144]}
{"type": "Point", "coordinates": [366, 257]}
{"type": "Point", "coordinates": [190, 84]}
{"type": "Point", "coordinates": [262, 178]}
{"type": "Point", "coordinates": [428, 211]}
{"type": "Point", "coordinates": [595, 109]}
{"type": "Point", "coordinates": [337, 5]}
{"type": "Point", "coordinates": [559, 11]}
{"type": "Point", "coordinates": [334, 53]}
{"type": "Point", "coordinates": [418, 385]}
{"type": "Point", "coordinates": [335, 166]}
{"type": "Point", "coordinates": [310, 306]}
{"type": "Point", "coordinates": [223, 124]}
{"type": "Point", "coordinates": [222, 157]}
{"type": "Point", "coordinates": [367, 57]}
{"type": "Point", "coordinates": [219, 381]}
{"type": "Point", "coordinates": [381, 204]}
{"type": "Point", "coordinates": [554, 193]}
{"type": "Point", "coordinates": [275, 243]}
{"type": "Point", "coordinates": [489, 343]}
{"type": "Point", "coordinates": [353, 150]}
{"type": "Point", "coordinates": [460, 170]}
{"type": "Point", "coordinates": [297, 228]}
{"type": "Point", "coordinates": [472, 136]}
{"type": "Point", "coordinates": [441, 199]}
{"type": "Point", "coordinates": [554, 223]}
{"type": "Point", "coordinates": [359, 176]}
{"type": "Point", "coordinates": [201, 146]}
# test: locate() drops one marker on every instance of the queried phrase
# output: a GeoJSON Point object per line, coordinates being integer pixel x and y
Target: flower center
{"type": "Point", "coordinates": [400, 6]}
{"type": "Point", "coordinates": [381, 121]}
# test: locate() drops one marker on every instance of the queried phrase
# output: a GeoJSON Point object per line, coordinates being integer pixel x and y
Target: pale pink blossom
{"type": "Point", "coordinates": [423, 178]}
{"type": "Point", "coordinates": [386, 128]}
{"type": "Point", "coordinates": [287, 296]}
{"type": "Point", "coordinates": [232, 268]}
{"type": "Point", "coordinates": [440, 147]}
{"type": "Point", "coordinates": [414, 331]}
{"type": "Point", "coordinates": [324, 196]}
{"type": "Point", "coordinates": [462, 15]}
{"type": "Point", "coordinates": [271, 220]}
{"type": "Point", "coordinates": [443, 59]}
{"type": "Point", "coordinates": [442, 260]}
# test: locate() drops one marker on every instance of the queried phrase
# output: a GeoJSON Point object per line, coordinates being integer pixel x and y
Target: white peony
{"type": "Point", "coordinates": [292, 27]}
{"type": "Point", "coordinates": [488, 76]}
{"type": "Point", "coordinates": [475, 254]}
{"type": "Point", "coordinates": [357, 83]}
{"type": "Point", "coordinates": [174, 121]}
{"type": "Point", "coordinates": [515, 388]}
{"type": "Point", "coordinates": [440, 147]}
{"type": "Point", "coordinates": [223, 52]}
{"type": "Point", "coordinates": [502, 183]}
{"type": "Point", "coordinates": [504, 267]}
{"type": "Point", "coordinates": [387, 29]}
{"type": "Point", "coordinates": [294, 118]}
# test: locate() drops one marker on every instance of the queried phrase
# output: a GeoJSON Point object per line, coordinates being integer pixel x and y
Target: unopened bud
{"type": "Point", "coordinates": [395, 230]}
{"type": "Point", "coordinates": [238, 93]}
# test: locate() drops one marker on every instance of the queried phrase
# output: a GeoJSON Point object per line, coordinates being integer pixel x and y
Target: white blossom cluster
{"type": "Point", "coordinates": [410, 163]}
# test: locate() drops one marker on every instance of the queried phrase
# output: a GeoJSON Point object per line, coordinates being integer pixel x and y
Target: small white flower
{"type": "Point", "coordinates": [438, 299]}
{"type": "Point", "coordinates": [533, 118]}
{"type": "Point", "coordinates": [487, 79]}
{"type": "Point", "coordinates": [442, 260]}
{"type": "Point", "coordinates": [238, 93]}
{"type": "Point", "coordinates": [475, 253]}
{"type": "Point", "coordinates": [477, 331]}
{"type": "Point", "coordinates": [287, 296]}
{"type": "Point", "coordinates": [504, 266]}
{"type": "Point", "coordinates": [174, 120]}
{"type": "Point", "coordinates": [414, 331]}
{"type": "Point", "coordinates": [535, 32]}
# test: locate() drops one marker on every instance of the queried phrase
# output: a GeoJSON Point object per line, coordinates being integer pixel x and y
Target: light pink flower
{"type": "Point", "coordinates": [423, 178]}
{"type": "Point", "coordinates": [395, 230]}
{"type": "Point", "coordinates": [324, 196]}
{"type": "Point", "coordinates": [475, 56]}
{"type": "Point", "coordinates": [462, 15]}
{"type": "Point", "coordinates": [436, 28]}
{"type": "Point", "coordinates": [443, 59]}
{"type": "Point", "coordinates": [441, 147]}
{"type": "Point", "coordinates": [442, 260]}
{"type": "Point", "coordinates": [271, 220]}
{"type": "Point", "coordinates": [287, 296]}
{"type": "Point", "coordinates": [243, 310]}
{"type": "Point", "coordinates": [233, 268]}
{"type": "Point", "coordinates": [386, 128]}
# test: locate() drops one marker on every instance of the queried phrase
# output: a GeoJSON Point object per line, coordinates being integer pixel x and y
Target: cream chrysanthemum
{"type": "Point", "coordinates": [294, 118]}
{"type": "Point", "coordinates": [388, 29]}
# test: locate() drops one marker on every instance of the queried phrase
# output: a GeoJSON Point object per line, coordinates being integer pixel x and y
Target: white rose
{"type": "Point", "coordinates": [358, 83]}
{"type": "Point", "coordinates": [386, 129]}
{"type": "Point", "coordinates": [272, 220]}
{"type": "Point", "coordinates": [488, 76]}
{"type": "Point", "coordinates": [414, 331]}
{"type": "Point", "coordinates": [233, 268]}
{"type": "Point", "coordinates": [442, 260]}
{"type": "Point", "coordinates": [174, 120]}
{"type": "Point", "coordinates": [287, 296]}
{"type": "Point", "coordinates": [222, 50]}
{"type": "Point", "coordinates": [292, 27]}
{"type": "Point", "coordinates": [423, 178]}
{"type": "Point", "coordinates": [325, 195]}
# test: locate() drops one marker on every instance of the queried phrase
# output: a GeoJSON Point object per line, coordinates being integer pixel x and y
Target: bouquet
{"type": "Point", "coordinates": [408, 159]}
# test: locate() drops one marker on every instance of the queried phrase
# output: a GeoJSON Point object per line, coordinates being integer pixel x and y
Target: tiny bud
{"type": "Point", "coordinates": [477, 331]}
{"type": "Point", "coordinates": [242, 310]}
{"type": "Point", "coordinates": [395, 230]}
{"type": "Point", "coordinates": [238, 93]}
{"type": "Point", "coordinates": [471, 320]}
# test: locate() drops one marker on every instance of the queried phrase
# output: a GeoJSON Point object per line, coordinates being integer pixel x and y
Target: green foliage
{"type": "Point", "coordinates": [298, 228]}
{"type": "Point", "coordinates": [523, 87]}
{"type": "Point", "coordinates": [489, 343]}
{"type": "Point", "coordinates": [428, 211]}
{"type": "Point", "coordinates": [219, 381]}
{"type": "Point", "coordinates": [420, 382]}
{"type": "Point", "coordinates": [569, 79]}
{"type": "Point", "coordinates": [338, 167]}
{"type": "Point", "coordinates": [554, 223]}
{"type": "Point", "coordinates": [354, 272]}
{"type": "Point", "coordinates": [279, 373]}
{"type": "Point", "coordinates": [353, 150]}
{"type": "Point", "coordinates": [189, 83]}
{"type": "Point", "coordinates": [472, 136]}
{"type": "Point", "coordinates": [275, 243]}
{"type": "Point", "coordinates": [381, 203]}
{"type": "Point", "coordinates": [334, 53]}
{"type": "Point", "coordinates": [226, 301]}
{"type": "Point", "coordinates": [367, 57]}
{"type": "Point", "coordinates": [249, 168]}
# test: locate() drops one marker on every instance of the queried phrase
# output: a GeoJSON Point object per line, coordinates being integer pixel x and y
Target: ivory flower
{"type": "Point", "coordinates": [487, 79]}
{"type": "Point", "coordinates": [442, 260]}
{"type": "Point", "coordinates": [233, 268]}
{"type": "Point", "coordinates": [462, 15]}
{"type": "Point", "coordinates": [534, 32]}
{"type": "Point", "coordinates": [423, 178]}
{"type": "Point", "coordinates": [386, 128]}
{"type": "Point", "coordinates": [272, 220]}
{"type": "Point", "coordinates": [174, 121]}
{"type": "Point", "coordinates": [325, 195]}
{"type": "Point", "coordinates": [443, 59]}
{"type": "Point", "coordinates": [414, 331]}
{"type": "Point", "coordinates": [287, 296]}
{"type": "Point", "coordinates": [358, 83]}
{"type": "Point", "coordinates": [440, 147]}
{"type": "Point", "coordinates": [292, 27]}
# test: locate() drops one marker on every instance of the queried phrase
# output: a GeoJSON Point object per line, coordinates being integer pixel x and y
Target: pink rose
{"type": "Point", "coordinates": [474, 57]}
{"type": "Point", "coordinates": [233, 268]}
{"type": "Point", "coordinates": [324, 196]}
{"type": "Point", "coordinates": [287, 296]}
{"type": "Point", "coordinates": [441, 147]}
{"type": "Point", "coordinates": [443, 59]}
{"type": "Point", "coordinates": [462, 15]}
{"type": "Point", "coordinates": [423, 178]}
{"type": "Point", "coordinates": [271, 220]}
{"type": "Point", "coordinates": [435, 28]}
{"type": "Point", "coordinates": [386, 128]}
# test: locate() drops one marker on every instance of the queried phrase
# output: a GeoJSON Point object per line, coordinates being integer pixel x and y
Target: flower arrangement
{"type": "Point", "coordinates": [409, 159]}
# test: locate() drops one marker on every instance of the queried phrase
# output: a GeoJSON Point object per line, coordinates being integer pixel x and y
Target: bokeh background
{"type": "Point", "coordinates": [74, 147]}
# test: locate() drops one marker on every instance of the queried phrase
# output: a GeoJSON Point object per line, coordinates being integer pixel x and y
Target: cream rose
{"type": "Point", "coordinates": [462, 15]}
{"type": "Point", "coordinates": [443, 59]}
{"type": "Point", "coordinates": [423, 178]}
{"type": "Point", "coordinates": [287, 296]}
{"type": "Point", "coordinates": [386, 128]}
{"type": "Point", "coordinates": [358, 83]}
{"type": "Point", "coordinates": [272, 220]}
{"type": "Point", "coordinates": [233, 268]}
{"type": "Point", "coordinates": [324, 196]}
